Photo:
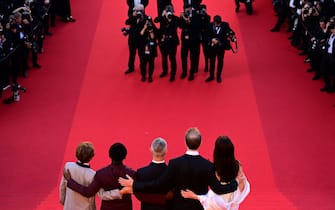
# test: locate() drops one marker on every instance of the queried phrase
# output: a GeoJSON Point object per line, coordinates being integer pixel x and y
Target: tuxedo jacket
{"type": "Point", "coordinates": [187, 172]}
{"type": "Point", "coordinates": [131, 5]}
{"type": "Point", "coordinates": [220, 33]}
{"type": "Point", "coordinates": [107, 179]}
{"type": "Point", "coordinates": [148, 173]}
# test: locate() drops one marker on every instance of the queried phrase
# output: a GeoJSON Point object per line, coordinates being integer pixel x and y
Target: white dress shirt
{"type": "Point", "coordinates": [330, 43]}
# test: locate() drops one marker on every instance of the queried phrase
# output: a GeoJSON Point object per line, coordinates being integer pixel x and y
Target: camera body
{"type": "Point", "coordinates": [125, 31]}
{"type": "Point", "coordinates": [231, 36]}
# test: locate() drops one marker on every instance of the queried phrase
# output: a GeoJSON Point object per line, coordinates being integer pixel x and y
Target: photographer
{"type": "Point", "coordinates": [168, 40]}
{"type": "Point", "coordinates": [190, 24]}
{"type": "Point", "coordinates": [328, 62]}
{"type": "Point", "coordinates": [133, 3]}
{"type": "Point", "coordinates": [4, 60]}
{"type": "Point", "coordinates": [247, 3]}
{"type": "Point", "coordinates": [136, 23]}
{"type": "Point", "coordinates": [205, 20]}
{"type": "Point", "coordinates": [161, 4]}
{"type": "Point", "coordinates": [148, 49]}
{"type": "Point", "coordinates": [219, 37]}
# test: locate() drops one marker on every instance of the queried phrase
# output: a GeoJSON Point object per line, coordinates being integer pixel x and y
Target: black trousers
{"type": "Point", "coordinates": [192, 48]}
{"type": "Point", "coordinates": [216, 53]}
{"type": "Point", "coordinates": [147, 60]}
{"type": "Point", "coordinates": [169, 51]}
{"type": "Point", "coordinates": [132, 55]}
{"type": "Point", "coordinates": [328, 70]}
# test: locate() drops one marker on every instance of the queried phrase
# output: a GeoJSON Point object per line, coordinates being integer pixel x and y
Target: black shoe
{"type": "Point", "coordinates": [150, 79]}
{"type": "Point", "coordinates": [206, 69]}
{"type": "Point", "coordinates": [163, 74]}
{"type": "Point", "coordinates": [310, 70]}
{"type": "Point", "coordinates": [209, 79]}
{"type": "Point", "coordinates": [128, 71]}
{"type": "Point", "coordinates": [37, 66]}
{"type": "Point", "coordinates": [219, 80]}
{"type": "Point", "coordinates": [237, 9]}
{"type": "Point", "coordinates": [289, 30]}
{"type": "Point", "coordinates": [191, 77]}
{"type": "Point", "coordinates": [331, 90]}
{"type": "Point", "coordinates": [183, 76]}
{"type": "Point", "coordinates": [172, 78]}
{"type": "Point", "coordinates": [316, 77]}
{"type": "Point", "coordinates": [48, 33]}
{"type": "Point", "coordinates": [24, 74]}
{"type": "Point", "coordinates": [290, 37]}
{"type": "Point", "coordinates": [274, 29]}
{"type": "Point", "coordinates": [324, 89]}
{"type": "Point", "coordinates": [143, 79]}
{"type": "Point", "coordinates": [303, 53]}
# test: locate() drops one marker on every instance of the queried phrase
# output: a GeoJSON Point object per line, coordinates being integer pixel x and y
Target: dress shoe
{"type": "Point", "coordinates": [143, 79]}
{"type": "Point", "coordinates": [307, 60]}
{"type": "Point", "coordinates": [274, 29]}
{"type": "Point", "coordinates": [324, 89]}
{"type": "Point", "coordinates": [316, 77]}
{"type": "Point", "coordinates": [37, 66]}
{"type": "Point", "coordinates": [191, 77]}
{"type": "Point", "coordinates": [310, 70]}
{"type": "Point", "coordinates": [237, 9]}
{"type": "Point", "coordinates": [302, 53]}
{"type": "Point", "coordinates": [128, 71]}
{"type": "Point", "coordinates": [331, 90]}
{"type": "Point", "coordinates": [209, 79]}
{"type": "Point", "coordinates": [172, 78]}
{"type": "Point", "coordinates": [183, 76]}
{"type": "Point", "coordinates": [48, 33]}
{"type": "Point", "coordinates": [219, 80]}
{"type": "Point", "coordinates": [150, 79]}
{"type": "Point", "coordinates": [163, 74]}
{"type": "Point", "coordinates": [206, 69]}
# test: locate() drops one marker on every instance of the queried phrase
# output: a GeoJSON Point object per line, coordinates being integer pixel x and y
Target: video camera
{"type": "Point", "coordinates": [125, 31]}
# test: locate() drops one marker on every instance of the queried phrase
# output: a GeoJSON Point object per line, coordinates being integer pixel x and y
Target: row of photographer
{"type": "Point", "coordinates": [196, 30]}
{"type": "Point", "coordinates": [312, 25]}
{"type": "Point", "coordinates": [23, 27]}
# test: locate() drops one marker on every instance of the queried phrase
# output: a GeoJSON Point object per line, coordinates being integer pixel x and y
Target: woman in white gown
{"type": "Point", "coordinates": [227, 169]}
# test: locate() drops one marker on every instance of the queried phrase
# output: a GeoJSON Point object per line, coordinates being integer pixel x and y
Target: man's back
{"type": "Point", "coordinates": [189, 172]}
{"type": "Point", "coordinates": [148, 173]}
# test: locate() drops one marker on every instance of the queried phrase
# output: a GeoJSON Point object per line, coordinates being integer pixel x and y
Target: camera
{"type": "Point", "coordinates": [125, 31]}
{"type": "Point", "coordinates": [169, 11]}
{"type": "Point", "coordinates": [149, 26]}
{"type": "Point", "coordinates": [139, 14]}
{"type": "Point", "coordinates": [187, 14]}
{"type": "Point", "coordinates": [232, 36]}
{"type": "Point", "coordinates": [305, 11]}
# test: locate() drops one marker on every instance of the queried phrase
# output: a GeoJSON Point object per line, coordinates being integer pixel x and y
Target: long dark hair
{"type": "Point", "coordinates": [226, 166]}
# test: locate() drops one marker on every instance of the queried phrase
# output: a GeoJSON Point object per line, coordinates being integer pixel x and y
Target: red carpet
{"type": "Point", "coordinates": [281, 124]}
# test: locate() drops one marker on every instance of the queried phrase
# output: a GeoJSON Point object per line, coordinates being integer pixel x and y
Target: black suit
{"type": "Point", "coordinates": [217, 51]}
{"type": "Point", "coordinates": [187, 172]}
{"type": "Point", "coordinates": [148, 173]}
{"type": "Point", "coordinates": [131, 5]}
{"type": "Point", "coordinates": [194, 3]}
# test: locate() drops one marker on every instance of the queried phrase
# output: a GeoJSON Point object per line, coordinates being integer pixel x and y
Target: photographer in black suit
{"type": "Point", "coordinates": [148, 49]}
{"type": "Point", "coordinates": [219, 35]}
{"type": "Point", "coordinates": [190, 24]}
{"type": "Point", "coordinates": [132, 3]}
{"type": "Point", "coordinates": [189, 171]}
{"type": "Point", "coordinates": [168, 40]}
{"type": "Point", "coordinates": [204, 21]}
{"type": "Point", "coordinates": [136, 23]}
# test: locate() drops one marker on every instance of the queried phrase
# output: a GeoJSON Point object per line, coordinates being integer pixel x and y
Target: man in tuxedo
{"type": "Point", "coordinates": [218, 34]}
{"type": "Point", "coordinates": [132, 3]}
{"type": "Point", "coordinates": [194, 3]}
{"type": "Point", "coordinates": [107, 179]}
{"type": "Point", "coordinates": [189, 171]}
{"type": "Point", "coordinates": [153, 171]}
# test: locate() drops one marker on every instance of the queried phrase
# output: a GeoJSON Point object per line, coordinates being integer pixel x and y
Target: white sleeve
{"type": "Point", "coordinates": [62, 190]}
{"type": "Point", "coordinates": [109, 195]}
{"type": "Point", "coordinates": [240, 196]}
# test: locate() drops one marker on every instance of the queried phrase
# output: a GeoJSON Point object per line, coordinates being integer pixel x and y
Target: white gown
{"type": "Point", "coordinates": [230, 201]}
